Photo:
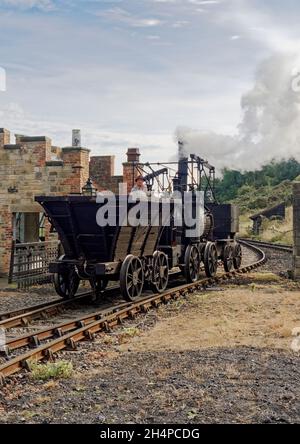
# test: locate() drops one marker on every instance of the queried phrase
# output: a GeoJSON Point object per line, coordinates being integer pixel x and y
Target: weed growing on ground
{"type": "Point", "coordinates": [51, 370]}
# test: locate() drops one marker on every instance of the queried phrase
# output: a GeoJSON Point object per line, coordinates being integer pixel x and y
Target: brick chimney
{"type": "Point", "coordinates": [130, 168]}
{"type": "Point", "coordinates": [133, 155]}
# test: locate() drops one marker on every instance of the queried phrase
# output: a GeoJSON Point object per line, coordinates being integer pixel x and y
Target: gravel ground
{"type": "Point", "coordinates": [15, 299]}
{"type": "Point", "coordinates": [218, 356]}
{"type": "Point", "coordinates": [279, 262]}
{"type": "Point", "coordinates": [223, 355]}
{"type": "Point", "coordinates": [242, 385]}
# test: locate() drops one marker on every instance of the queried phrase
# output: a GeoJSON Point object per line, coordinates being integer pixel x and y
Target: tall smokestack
{"type": "Point", "coordinates": [182, 169]}
{"type": "Point", "coordinates": [181, 150]}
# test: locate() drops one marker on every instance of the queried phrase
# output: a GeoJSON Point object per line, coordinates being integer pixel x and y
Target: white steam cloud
{"type": "Point", "coordinates": [270, 126]}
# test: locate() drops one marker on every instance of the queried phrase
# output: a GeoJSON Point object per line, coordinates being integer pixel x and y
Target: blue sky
{"type": "Point", "coordinates": [129, 72]}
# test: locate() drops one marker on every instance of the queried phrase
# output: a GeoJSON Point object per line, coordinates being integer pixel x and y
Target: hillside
{"type": "Point", "coordinates": [256, 190]}
{"type": "Point", "coordinates": [253, 191]}
{"type": "Point", "coordinates": [273, 230]}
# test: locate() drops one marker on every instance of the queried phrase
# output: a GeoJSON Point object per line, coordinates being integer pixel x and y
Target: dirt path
{"type": "Point", "coordinates": [259, 316]}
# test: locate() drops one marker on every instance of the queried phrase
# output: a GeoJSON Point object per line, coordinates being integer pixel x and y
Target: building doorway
{"type": "Point", "coordinates": [28, 227]}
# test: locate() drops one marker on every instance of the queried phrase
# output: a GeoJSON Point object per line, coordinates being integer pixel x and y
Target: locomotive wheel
{"type": "Point", "coordinates": [131, 278]}
{"type": "Point", "coordinates": [237, 256]}
{"type": "Point", "coordinates": [210, 259]}
{"type": "Point", "coordinates": [228, 258]}
{"type": "Point", "coordinates": [66, 284]}
{"type": "Point", "coordinates": [160, 277]}
{"type": "Point", "coordinates": [192, 261]}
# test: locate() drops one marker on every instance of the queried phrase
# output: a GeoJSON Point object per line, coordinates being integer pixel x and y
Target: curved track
{"type": "Point", "coordinates": [261, 244]}
{"type": "Point", "coordinates": [67, 334]}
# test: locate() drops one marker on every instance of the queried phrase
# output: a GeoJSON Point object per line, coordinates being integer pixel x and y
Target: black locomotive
{"type": "Point", "coordinates": [142, 255]}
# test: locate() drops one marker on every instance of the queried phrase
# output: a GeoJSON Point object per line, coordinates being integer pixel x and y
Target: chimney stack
{"type": "Point", "coordinates": [133, 155]}
{"type": "Point", "coordinates": [76, 138]}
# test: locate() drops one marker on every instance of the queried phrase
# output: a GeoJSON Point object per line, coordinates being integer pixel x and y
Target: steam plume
{"type": "Point", "coordinates": [270, 126]}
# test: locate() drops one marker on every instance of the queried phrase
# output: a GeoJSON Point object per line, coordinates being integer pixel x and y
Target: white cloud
{"type": "Point", "coordinates": [180, 23]}
{"type": "Point", "coordinates": [17, 121]}
{"type": "Point", "coordinates": [122, 16]}
{"type": "Point", "coordinates": [44, 5]}
{"type": "Point", "coordinates": [204, 2]}
{"type": "Point", "coordinates": [259, 26]}
{"type": "Point", "coordinates": [153, 37]}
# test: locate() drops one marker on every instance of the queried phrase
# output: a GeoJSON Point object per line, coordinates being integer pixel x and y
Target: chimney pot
{"type": "Point", "coordinates": [133, 155]}
{"type": "Point", "coordinates": [76, 138]}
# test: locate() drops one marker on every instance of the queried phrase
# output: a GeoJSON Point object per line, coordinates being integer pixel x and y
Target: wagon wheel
{"type": "Point", "coordinates": [160, 276]}
{"type": "Point", "coordinates": [66, 284]}
{"type": "Point", "coordinates": [192, 261]}
{"type": "Point", "coordinates": [131, 278]}
{"type": "Point", "coordinates": [228, 258]}
{"type": "Point", "coordinates": [210, 259]}
{"type": "Point", "coordinates": [237, 256]}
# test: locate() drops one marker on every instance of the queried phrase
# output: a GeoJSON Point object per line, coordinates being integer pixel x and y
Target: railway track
{"type": "Point", "coordinates": [23, 316]}
{"type": "Point", "coordinates": [45, 342]}
{"type": "Point", "coordinates": [279, 247]}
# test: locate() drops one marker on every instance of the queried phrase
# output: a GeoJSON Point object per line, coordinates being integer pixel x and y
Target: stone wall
{"type": "Point", "coordinates": [31, 167]}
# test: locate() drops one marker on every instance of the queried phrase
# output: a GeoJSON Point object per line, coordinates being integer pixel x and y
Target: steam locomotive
{"type": "Point", "coordinates": [138, 255]}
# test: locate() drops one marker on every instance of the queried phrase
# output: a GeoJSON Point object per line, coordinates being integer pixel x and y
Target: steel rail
{"type": "Point", "coordinates": [33, 339]}
{"type": "Point", "coordinates": [23, 316]}
{"type": "Point", "coordinates": [279, 247]}
{"type": "Point", "coordinates": [107, 319]}
{"type": "Point", "coordinates": [20, 311]}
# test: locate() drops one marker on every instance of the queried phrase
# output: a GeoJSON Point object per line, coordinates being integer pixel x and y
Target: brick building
{"type": "Point", "coordinates": [33, 166]}
{"type": "Point", "coordinates": [102, 171]}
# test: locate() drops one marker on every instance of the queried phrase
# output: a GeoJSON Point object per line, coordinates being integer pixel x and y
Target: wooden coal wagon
{"type": "Point", "coordinates": [100, 254]}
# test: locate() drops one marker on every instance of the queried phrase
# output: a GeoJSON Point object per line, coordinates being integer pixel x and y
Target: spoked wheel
{"type": "Point", "coordinates": [131, 278]}
{"type": "Point", "coordinates": [192, 261]}
{"type": "Point", "coordinates": [210, 259]}
{"type": "Point", "coordinates": [66, 284]}
{"type": "Point", "coordinates": [237, 256]}
{"type": "Point", "coordinates": [160, 276]}
{"type": "Point", "coordinates": [228, 258]}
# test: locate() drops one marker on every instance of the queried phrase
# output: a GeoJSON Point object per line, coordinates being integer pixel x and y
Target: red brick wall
{"type": "Point", "coordinates": [102, 170]}
{"type": "Point", "coordinates": [6, 236]}
{"type": "Point", "coordinates": [131, 171]}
